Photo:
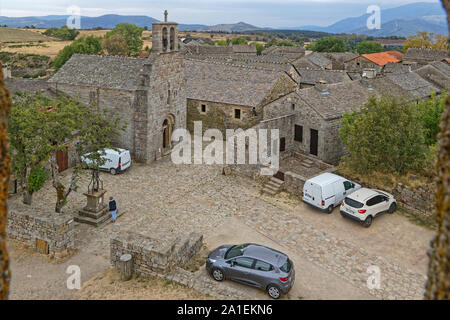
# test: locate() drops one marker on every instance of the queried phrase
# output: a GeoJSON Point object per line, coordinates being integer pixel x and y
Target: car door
{"type": "Point", "coordinates": [260, 276]}
{"type": "Point", "coordinates": [375, 205]}
{"type": "Point", "coordinates": [241, 269]}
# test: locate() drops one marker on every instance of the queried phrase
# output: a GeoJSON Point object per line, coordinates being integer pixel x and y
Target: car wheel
{"type": "Point", "coordinates": [392, 208]}
{"type": "Point", "coordinates": [368, 222]}
{"type": "Point", "coordinates": [218, 275]}
{"type": "Point", "coordinates": [113, 171]}
{"type": "Point", "coordinates": [330, 209]}
{"type": "Point", "coordinates": [273, 291]}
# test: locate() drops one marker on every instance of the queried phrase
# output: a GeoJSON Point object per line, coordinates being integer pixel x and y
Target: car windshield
{"type": "Point", "coordinates": [236, 251]}
{"type": "Point", "coordinates": [353, 203]}
{"type": "Point", "coordinates": [286, 267]}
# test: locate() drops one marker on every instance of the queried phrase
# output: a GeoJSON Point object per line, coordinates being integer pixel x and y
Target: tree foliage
{"type": "Point", "coordinates": [87, 45]}
{"type": "Point", "coordinates": [63, 33]}
{"type": "Point", "coordinates": [367, 47]}
{"type": "Point", "coordinates": [328, 44]}
{"type": "Point", "coordinates": [40, 126]}
{"type": "Point", "coordinates": [387, 134]}
{"type": "Point", "coordinates": [132, 35]}
{"type": "Point", "coordinates": [116, 45]}
{"type": "Point", "coordinates": [431, 113]}
{"type": "Point", "coordinates": [427, 40]}
{"type": "Point", "coordinates": [239, 40]}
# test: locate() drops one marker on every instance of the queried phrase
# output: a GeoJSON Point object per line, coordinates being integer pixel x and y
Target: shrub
{"type": "Point", "coordinates": [37, 178]}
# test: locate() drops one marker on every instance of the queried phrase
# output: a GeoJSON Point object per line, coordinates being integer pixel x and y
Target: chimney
{"type": "Point", "coordinates": [6, 72]}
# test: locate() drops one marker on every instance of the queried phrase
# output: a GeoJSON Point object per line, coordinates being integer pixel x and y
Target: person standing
{"type": "Point", "coordinates": [113, 208]}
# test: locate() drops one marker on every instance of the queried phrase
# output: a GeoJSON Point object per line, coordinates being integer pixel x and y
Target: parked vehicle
{"type": "Point", "coordinates": [116, 161]}
{"type": "Point", "coordinates": [327, 191]}
{"type": "Point", "coordinates": [254, 265]}
{"type": "Point", "coordinates": [365, 205]}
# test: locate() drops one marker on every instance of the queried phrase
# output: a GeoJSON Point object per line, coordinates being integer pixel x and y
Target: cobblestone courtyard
{"type": "Point", "coordinates": [331, 254]}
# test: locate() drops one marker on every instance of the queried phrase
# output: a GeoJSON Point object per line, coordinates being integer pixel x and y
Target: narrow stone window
{"type": "Point", "coordinates": [203, 108]}
{"type": "Point", "coordinates": [293, 107]}
{"type": "Point", "coordinates": [237, 113]}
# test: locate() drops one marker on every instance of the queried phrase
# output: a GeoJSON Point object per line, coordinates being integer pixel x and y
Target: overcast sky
{"type": "Point", "coordinates": [263, 13]}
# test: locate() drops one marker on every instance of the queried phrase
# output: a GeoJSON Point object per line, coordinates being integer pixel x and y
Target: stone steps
{"type": "Point", "coordinates": [98, 222]}
{"type": "Point", "coordinates": [273, 186]}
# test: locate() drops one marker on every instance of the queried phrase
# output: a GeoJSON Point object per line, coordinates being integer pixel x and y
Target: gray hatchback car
{"type": "Point", "coordinates": [254, 265]}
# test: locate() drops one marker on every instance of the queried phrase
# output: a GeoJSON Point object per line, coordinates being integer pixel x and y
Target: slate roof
{"type": "Point", "coordinates": [395, 68]}
{"type": "Point", "coordinates": [225, 83]}
{"type": "Point", "coordinates": [413, 84]}
{"type": "Point", "coordinates": [319, 59]}
{"type": "Point", "coordinates": [340, 56]}
{"type": "Point", "coordinates": [381, 58]}
{"type": "Point", "coordinates": [309, 76]}
{"type": "Point", "coordinates": [244, 48]}
{"type": "Point", "coordinates": [425, 54]}
{"type": "Point", "coordinates": [114, 72]}
{"type": "Point", "coordinates": [437, 73]}
{"type": "Point", "coordinates": [333, 100]}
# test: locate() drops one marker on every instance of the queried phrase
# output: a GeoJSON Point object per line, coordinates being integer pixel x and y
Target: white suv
{"type": "Point", "coordinates": [364, 205]}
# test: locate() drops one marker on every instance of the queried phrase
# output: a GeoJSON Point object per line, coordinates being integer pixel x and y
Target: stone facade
{"type": "Point", "coordinates": [55, 229]}
{"type": "Point", "coordinates": [219, 116]}
{"type": "Point", "coordinates": [148, 94]}
{"type": "Point", "coordinates": [154, 255]}
{"type": "Point", "coordinates": [360, 63]}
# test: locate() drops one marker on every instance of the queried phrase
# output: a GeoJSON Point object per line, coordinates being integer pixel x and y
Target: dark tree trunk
{"type": "Point", "coordinates": [5, 165]}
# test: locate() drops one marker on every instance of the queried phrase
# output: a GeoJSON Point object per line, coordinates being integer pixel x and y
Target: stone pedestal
{"type": "Point", "coordinates": [96, 212]}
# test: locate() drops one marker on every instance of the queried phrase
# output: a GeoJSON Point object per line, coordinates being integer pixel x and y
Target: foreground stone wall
{"type": "Point", "coordinates": [154, 255]}
{"type": "Point", "coordinates": [56, 229]}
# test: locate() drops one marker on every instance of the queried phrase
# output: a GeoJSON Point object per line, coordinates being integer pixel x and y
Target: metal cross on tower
{"type": "Point", "coordinates": [165, 15]}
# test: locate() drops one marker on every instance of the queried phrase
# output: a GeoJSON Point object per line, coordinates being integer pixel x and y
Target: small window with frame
{"type": "Point", "coordinates": [237, 113]}
{"type": "Point", "coordinates": [203, 108]}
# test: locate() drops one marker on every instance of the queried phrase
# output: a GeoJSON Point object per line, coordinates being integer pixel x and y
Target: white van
{"type": "Point", "coordinates": [327, 191]}
{"type": "Point", "coordinates": [116, 161]}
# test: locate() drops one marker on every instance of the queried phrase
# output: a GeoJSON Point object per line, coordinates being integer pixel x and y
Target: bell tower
{"type": "Point", "coordinates": [164, 36]}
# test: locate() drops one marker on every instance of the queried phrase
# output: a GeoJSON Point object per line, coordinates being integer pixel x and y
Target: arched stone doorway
{"type": "Point", "coordinates": [168, 126]}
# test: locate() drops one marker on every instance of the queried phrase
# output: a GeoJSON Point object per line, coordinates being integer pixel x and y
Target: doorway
{"type": "Point", "coordinates": [168, 125]}
{"type": "Point", "coordinates": [62, 160]}
{"type": "Point", "coordinates": [314, 142]}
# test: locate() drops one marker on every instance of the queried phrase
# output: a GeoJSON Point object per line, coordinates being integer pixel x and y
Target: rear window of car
{"type": "Point", "coordinates": [286, 267]}
{"type": "Point", "coordinates": [353, 203]}
{"type": "Point", "coordinates": [262, 266]}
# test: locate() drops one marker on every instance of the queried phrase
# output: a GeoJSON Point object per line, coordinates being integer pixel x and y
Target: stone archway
{"type": "Point", "coordinates": [167, 131]}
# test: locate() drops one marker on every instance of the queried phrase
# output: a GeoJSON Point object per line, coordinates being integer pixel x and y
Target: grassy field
{"type": "Point", "coordinates": [32, 41]}
{"type": "Point", "coordinates": [8, 35]}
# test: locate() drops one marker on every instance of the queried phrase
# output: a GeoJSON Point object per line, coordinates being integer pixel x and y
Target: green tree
{"type": "Point", "coordinates": [387, 134]}
{"type": "Point", "coordinates": [86, 45]}
{"type": "Point", "coordinates": [285, 43]}
{"type": "Point", "coordinates": [259, 48]}
{"type": "Point", "coordinates": [239, 40]}
{"type": "Point", "coordinates": [27, 142]}
{"type": "Point", "coordinates": [63, 33]}
{"type": "Point", "coordinates": [431, 110]}
{"type": "Point", "coordinates": [367, 47]}
{"type": "Point", "coordinates": [132, 35]}
{"type": "Point", "coordinates": [328, 44]}
{"type": "Point", "coordinates": [222, 43]}
{"type": "Point", "coordinates": [427, 40]}
{"type": "Point", "coordinates": [116, 45]}
{"type": "Point", "coordinates": [39, 127]}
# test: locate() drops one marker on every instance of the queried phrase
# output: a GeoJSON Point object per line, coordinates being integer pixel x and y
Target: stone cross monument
{"type": "Point", "coordinates": [165, 15]}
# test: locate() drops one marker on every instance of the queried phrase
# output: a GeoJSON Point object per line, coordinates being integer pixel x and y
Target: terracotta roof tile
{"type": "Point", "coordinates": [381, 58]}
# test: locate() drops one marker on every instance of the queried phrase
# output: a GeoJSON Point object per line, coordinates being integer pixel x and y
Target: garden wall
{"type": "Point", "coordinates": [48, 233]}
{"type": "Point", "coordinates": [154, 255]}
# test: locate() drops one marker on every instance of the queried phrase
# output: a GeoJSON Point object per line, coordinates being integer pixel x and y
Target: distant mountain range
{"type": "Point", "coordinates": [400, 21]}
{"type": "Point", "coordinates": [111, 20]}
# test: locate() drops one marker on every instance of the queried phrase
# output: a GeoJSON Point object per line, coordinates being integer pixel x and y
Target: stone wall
{"type": "Point", "coordinates": [360, 63]}
{"type": "Point", "coordinates": [220, 116]}
{"type": "Point", "coordinates": [154, 255]}
{"type": "Point", "coordinates": [56, 229]}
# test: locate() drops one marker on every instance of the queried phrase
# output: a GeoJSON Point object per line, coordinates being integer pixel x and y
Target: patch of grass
{"type": "Point", "coordinates": [416, 219]}
{"type": "Point", "coordinates": [198, 260]}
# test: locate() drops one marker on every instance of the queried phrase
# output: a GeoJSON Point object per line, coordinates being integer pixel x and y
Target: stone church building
{"type": "Point", "coordinates": [149, 94]}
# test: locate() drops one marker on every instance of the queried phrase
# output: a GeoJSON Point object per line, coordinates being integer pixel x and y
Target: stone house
{"type": "Point", "coordinates": [420, 56]}
{"type": "Point", "coordinates": [373, 61]}
{"type": "Point", "coordinates": [338, 59]}
{"type": "Point", "coordinates": [225, 96]}
{"type": "Point", "coordinates": [314, 60]}
{"type": "Point", "coordinates": [315, 114]}
{"type": "Point", "coordinates": [227, 51]}
{"type": "Point", "coordinates": [148, 94]}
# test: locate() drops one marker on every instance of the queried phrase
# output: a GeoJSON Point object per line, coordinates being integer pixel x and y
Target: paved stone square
{"type": "Point", "coordinates": [162, 200]}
